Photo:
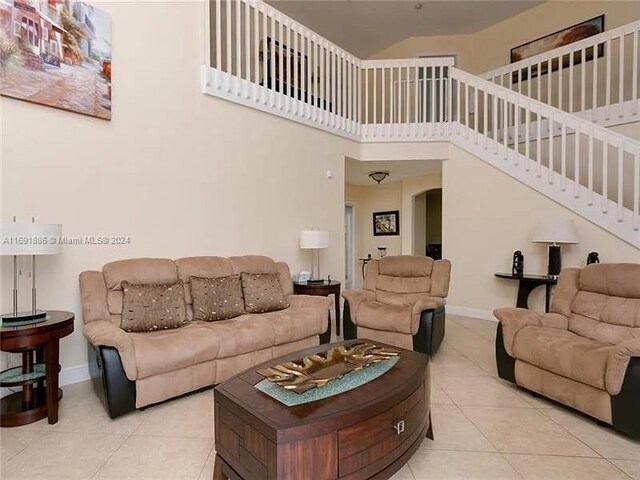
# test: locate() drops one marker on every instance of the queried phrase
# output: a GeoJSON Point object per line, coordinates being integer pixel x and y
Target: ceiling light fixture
{"type": "Point", "coordinates": [378, 176]}
{"type": "Point", "coordinates": [418, 6]}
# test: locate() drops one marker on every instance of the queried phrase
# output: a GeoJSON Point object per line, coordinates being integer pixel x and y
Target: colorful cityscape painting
{"type": "Point", "coordinates": [56, 53]}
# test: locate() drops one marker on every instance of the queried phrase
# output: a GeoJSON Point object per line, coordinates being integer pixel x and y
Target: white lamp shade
{"type": "Point", "coordinates": [30, 238]}
{"type": "Point", "coordinates": [555, 231]}
{"type": "Point", "coordinates": [314, 239]}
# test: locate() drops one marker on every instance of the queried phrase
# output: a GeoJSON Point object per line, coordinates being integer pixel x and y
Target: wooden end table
{"type": "Point", "coordinates": [36, 400]}
{"type": "Point", "coordinates": [322, 289]}
{"type": "Point", "coordinates": [527, 283]}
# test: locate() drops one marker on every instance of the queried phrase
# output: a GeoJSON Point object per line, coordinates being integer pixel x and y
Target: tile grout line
{"type": "Point", "coordinates": [126, 437]}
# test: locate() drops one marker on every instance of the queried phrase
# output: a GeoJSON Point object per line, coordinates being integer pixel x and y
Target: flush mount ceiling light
{"type": "Point", "coordinates": [418, 6]}
{"type": "Point", "coordinates": [378, 176]}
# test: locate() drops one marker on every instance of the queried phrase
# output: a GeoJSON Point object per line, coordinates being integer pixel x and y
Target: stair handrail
{"type": "Point", "coordinates": [578, 124]}
{"type": "Point", "coordinates": [546, 110]}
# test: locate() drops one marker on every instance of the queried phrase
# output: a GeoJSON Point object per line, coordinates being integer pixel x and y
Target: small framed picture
{"type": "Point", "coordinates": [386, 223]}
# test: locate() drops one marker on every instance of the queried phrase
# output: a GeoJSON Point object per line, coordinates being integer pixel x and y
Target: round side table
{"type": "Point", "coordinates": [36, 400]}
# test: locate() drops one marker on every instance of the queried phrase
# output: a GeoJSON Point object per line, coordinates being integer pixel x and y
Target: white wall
{"type": "Point", "coordinates": [179, 172]}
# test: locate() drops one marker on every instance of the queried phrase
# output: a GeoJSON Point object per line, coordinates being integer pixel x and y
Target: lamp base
{"type": "Point", "coordinates": [555, 260]}
{"type": "Point", "coordinates": [318, 281]}
{"type": "Point", "coordinates": [23, 316]}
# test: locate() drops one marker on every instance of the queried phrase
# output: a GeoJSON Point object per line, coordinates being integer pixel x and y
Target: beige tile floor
{"type": "Point", "coordinates": [484, 429]}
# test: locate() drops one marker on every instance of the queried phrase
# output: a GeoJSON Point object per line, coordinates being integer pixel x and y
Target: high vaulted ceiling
{"type": "Point", "coordinates": [364, 27]}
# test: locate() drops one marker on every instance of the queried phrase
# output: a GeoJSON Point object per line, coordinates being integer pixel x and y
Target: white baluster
{"type": "Point", "coordinates": [433, 99]}
{"type": "Point", "coordinates": [485, 118]}
{"type": "Point", "coordinates": [247, 48]}
{"type": "Point", "coordinates": [265, 56]}
{"type": "Point", "coordinates": [272, 50]}
{"type": "Point", "coordinates": [218, 39]}
{"type": "Point", "coordinates": [551, 164]}
{"type": "Point", "coordinates": [415, 100]}
{"type": "Point", "coordinates": [539, 82]}
{"type": "Point", "coordinates": [256, 52]}
{"type": "Point", "coordinates": [621, 78]}
{"type": "Point", "coordinates": [286, 65]}
{"type": "Point", "coordinates": [561, 82]}
{"type": "Point", "coordinates": [281, 63]}
{"type": "Point", "coordinates": [590, 169]}
{"type": "Point", "coordinates": [229, 55]}
{"type": "Point", "coordinates": [475, 111]}
{"type": "Point", "coordinates": [634, 73]}
{"type": "Point", "coordinates": [495, 123]}
{"type": "Point", "coordinates": [621, 180]}
{"type": "Point", "coordinates": [583, 79]}
{"type": "Point", "coordinates": [576, 164]}
{"type": "Point", "coordinates": [238, 73]}
{"type": "Point", "coordinates": [424, 100]}
{"type": "Point", "coordinates": [571, 80]}
{"type": "Point", "coordinates": [516, 136]}
{"type": "Point", "coordinates": [596, 49]}
{"type": "Point", "coordinates": [441, 119]}
{"type": "Point", "coordinates": [605, 174]}
{"type": "Point", "coordinates": [539, 143]}
{"type": "Point", "coordinates": [297, 55]}
{"type": "Point", "coordinates": [607, 99]}
{"type": "Point", "coordinates": [563, 157]}
{"type": "Point", "coordinates": [527, 135]}
{"type": "Point", "coordinates": [383, 90]}
{"type": "Point", "coordinates": [636, 190]}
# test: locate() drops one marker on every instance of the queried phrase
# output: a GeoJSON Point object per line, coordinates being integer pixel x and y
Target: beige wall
{"type": "Point", "coordinates": [489, 48]}
{"type": "Point", "coordinates": [178, 172]}
{"type": "Point", "coordinates": [387, 196]}
{"type": "Point", "coordinates": [487, 216]}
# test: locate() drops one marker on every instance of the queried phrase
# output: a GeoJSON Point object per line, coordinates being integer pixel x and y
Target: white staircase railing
{"type": "Point", "coordinates": [589, 168]}
{"type": "Point", "coordinates": [596, 77]}
{"type": "Point", "coordinates": [265, 60]}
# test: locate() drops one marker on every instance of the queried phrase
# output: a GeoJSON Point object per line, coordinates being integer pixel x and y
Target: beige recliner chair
{"type": "Point", "coordinates": [586, 352]}
{"type": "Point", "coordinates": [402, 303]}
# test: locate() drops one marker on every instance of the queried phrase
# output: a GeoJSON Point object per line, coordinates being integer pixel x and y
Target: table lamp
{"type": "Point", "coordinates": [27, 239]}
{"type": "Point", "coordinates": [314, 240]}
{"type": "Point", "coordinates": [555, 233]}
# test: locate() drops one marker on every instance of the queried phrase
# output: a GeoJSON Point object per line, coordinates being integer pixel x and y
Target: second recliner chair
{"type": "Point", "coordinates": [402, 303]}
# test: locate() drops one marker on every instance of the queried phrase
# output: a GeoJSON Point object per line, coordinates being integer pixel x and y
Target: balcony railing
{"type": "Point", "coordinates": [265, 60]}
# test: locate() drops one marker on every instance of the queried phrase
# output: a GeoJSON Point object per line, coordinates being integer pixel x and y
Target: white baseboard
{"type": "Point", "coordinates": [68, 376]}
{"type": "Point", "coordinates": [471, 312]}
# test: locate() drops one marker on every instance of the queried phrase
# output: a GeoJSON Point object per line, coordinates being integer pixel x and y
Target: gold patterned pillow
{"type": "Point", "coordinates": [262, 292]}
{"type": "Point", "coordinates": [216, 298]}
{"type": "Point", "coordinates": [150, 307]}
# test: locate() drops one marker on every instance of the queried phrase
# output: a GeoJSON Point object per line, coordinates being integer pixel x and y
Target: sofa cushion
{"type": "Point", "coordinates": [294, 324]}
{"type": "Point", "coordinates": [139, 271]}
{"type": "Point", "coordinates": [379, 316]}
{"type": "Point", "coordinates": [564, 353]}
{"type": "Point", "coordinates": [167, 351]}
{"type": "Point", "coordinates": [613, 279]}
{"type": "Point", "coordinates": [153, 307]}
{"type": "Point", "coordinates": [243, 334]}
{"type": "Point", "coordinates": [216, 298]}
{"type": "Point", "coordinates": [262, 292]}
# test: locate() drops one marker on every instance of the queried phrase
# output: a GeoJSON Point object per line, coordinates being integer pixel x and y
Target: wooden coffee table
{"type": "Point", "coordinates": [366, 433]}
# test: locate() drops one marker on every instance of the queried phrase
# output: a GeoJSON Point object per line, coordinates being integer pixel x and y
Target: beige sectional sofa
{"type": "Point", "coordinates": [586, 352]}
{"type": "Point", "coordinates": [133, 370]}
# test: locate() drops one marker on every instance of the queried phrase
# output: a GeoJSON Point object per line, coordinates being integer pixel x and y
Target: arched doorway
{"type": "Point", "coordinates": [427, 223]}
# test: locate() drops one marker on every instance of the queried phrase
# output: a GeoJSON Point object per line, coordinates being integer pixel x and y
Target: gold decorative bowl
{"type": "Point", "coordinates": [317, 370]}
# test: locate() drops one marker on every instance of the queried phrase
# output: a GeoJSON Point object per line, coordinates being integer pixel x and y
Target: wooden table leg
{"type": "Point", "coordinates": [217, 469]}
{"type": "Point", "coordinates": [52, 352]}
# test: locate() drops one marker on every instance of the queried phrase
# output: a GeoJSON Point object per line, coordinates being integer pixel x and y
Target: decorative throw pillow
{"type": "Point", "coordinates": [216, 298]}
{"type": "Point", "coordinates": [262, 292]}
{"type": "Point", "coordinates": [150, 307]}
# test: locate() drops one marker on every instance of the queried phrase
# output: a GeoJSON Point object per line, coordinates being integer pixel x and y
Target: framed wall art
{"type": "Point", "coordinates": [386, 223]}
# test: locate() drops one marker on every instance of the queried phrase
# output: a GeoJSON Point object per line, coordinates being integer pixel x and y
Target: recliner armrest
{"type": "Point", "coordinates": [514, 319]}
{"type": "Point", "coordinates": [105, 333]}
{"type": "Point", "coordinates": [355, 299]}
{"type": "Point", "coordinates": [309, 301]}
{"type": "Point", "coordinates": [425, 303]}
{"type": "Point", "coordinates": [618, 362]}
